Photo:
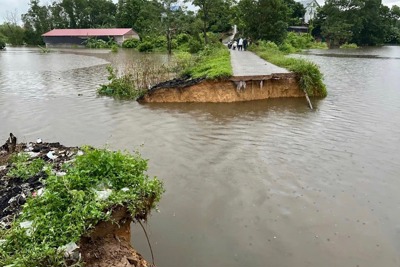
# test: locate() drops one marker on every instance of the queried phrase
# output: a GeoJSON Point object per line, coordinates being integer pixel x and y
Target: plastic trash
{"type": "Point", "coordinates": [40, 192]}
{"type": "Point", "coordinates": [39, 141]}
{"type": "Point", "coordinates": [32, 154]}
{"type": "Point", "coordinates": [125, 189]}
{"type": "Point", "coordinates": [51, 156]}
{"type": "Point", "coordinates": [26, 224]}
{"type": "Point", "coordinates": [69, 248]}
{"type": "Point", "coordinates": [103, 194]}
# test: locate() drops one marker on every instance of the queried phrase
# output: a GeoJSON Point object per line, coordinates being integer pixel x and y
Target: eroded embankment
{"type": "Point", "coordinates": [227, 90]}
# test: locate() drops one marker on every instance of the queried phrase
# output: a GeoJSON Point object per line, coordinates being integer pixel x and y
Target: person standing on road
{"type": "Point", "coordinates": [245, 44]}
{"type": "Point", "coordinates": [240, 44]}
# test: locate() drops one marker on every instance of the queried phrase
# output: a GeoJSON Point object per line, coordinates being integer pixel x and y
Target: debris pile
{"type": "Point", "coordinates": [15, 190]}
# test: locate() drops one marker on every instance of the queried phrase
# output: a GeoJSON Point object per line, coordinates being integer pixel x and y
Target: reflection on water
{"type": "Point", "coordinates": [263, 183]}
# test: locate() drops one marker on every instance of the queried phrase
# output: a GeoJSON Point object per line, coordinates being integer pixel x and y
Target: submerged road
{"type": "Point", "coordinates": [246, 63]}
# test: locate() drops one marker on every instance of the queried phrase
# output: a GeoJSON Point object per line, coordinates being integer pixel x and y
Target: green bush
{"type": "Point", "coordinates": [145, 46]}
{"type": "Point", "coordinates": [120, 87]}
{"type": "Point", "coordinates": [2, 41]}
{"type": "Point", "coordinates": [310, 78]}
{"type": "Point", "coordinates": [195, 46]}
{"type": "Point", "coordinates": [131, 43]}
{"type": "Point", "coordinates": [70, 206]}
{"type": "Point", "coordinates": [99, 43]}
{"type": "Point", "coordinates": [349, 46]}
{"type": "Point", "coordinates": [114, 48]}
{"type": "Point", "coordinates": [287, 48]}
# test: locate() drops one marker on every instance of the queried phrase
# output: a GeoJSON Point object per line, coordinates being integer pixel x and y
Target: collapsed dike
{"type": "Point", "coordinates": [233, 89]}
{"type": "Point", "coordinates": [105, 243]}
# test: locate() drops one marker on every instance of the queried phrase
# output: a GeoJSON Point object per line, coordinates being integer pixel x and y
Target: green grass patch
{"type": "Point", "coordinates": [213, 62]}
{"type": "Point", "coordinates": [70, 206]}
{"type": "Point", "coordinates": [310, 78]}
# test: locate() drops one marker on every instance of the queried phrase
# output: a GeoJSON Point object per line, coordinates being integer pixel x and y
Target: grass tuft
{"type": "Point", "coordinates": [214, 62]}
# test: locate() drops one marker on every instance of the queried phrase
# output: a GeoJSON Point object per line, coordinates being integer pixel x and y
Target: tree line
{"type": "Point", "coordinates": [365, 22]}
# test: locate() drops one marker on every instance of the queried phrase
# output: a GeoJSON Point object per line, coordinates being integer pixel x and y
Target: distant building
{"type": "Point", "coordinates": [311, 9]}
{"type": "Point", "coordinates": [77, 37]}
{"type": "Point", "coordinates": [298, 29]}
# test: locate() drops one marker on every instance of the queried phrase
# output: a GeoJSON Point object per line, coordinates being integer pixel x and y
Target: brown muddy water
{"type": "Point", "coordinates": [265, 183]}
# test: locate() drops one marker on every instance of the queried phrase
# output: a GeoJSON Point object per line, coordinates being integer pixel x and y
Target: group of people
{"type": "Point", "coordinates": [241, 44]}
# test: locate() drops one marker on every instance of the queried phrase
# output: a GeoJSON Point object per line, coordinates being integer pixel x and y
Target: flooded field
{"type": "Point", "coordinates": [264, 183]}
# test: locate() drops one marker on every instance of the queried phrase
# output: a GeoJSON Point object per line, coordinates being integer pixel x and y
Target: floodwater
{"type": "Point", "coordinates": [264, 183]}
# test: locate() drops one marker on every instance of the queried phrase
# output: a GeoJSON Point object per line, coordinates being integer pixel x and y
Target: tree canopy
{"type": "Point", "coordinates": [364, 22]}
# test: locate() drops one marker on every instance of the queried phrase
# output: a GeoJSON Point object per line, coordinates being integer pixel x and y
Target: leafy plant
{"type": "Point", "coordinates": [131, 43]}
{"type": "Point", "coordinates": [114, 48]}
{"type": "Point", "coordinates": [145, 46]}
{"type": "Point", "coordinates": [122, 87]}
{"type": "Point", "coordinates": [70, 206]}
{"type": "Point", "coordinates": [23, 168]}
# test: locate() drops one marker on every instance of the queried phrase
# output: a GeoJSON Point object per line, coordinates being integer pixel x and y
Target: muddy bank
{"type": "Point", "coordinates": [109, 243]}
{"type": "Point", "coordinates": [229, 90]}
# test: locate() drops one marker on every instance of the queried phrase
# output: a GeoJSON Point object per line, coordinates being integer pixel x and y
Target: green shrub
{"type": "Point", "coordinates": [99, 43]}
{"type": "Point", "coordinates": [120, 87]}
{"type": "Point", "coordinates": [70, 207]}
{"type": "Point", "coordinates": [287, 48]}
{"type": "Point", "coordinates": [114, 48]}
{"type": "Point", "coordinates": [349, 46]}
{"type": "Point", "coordinates": [195, 46]}
{"type": "Point", "coordinates": [182, 38]}
{"type": "Point", "coordinates": [2, 41]}
{"type": "Point", "coordinates": [159, 42]}
{"type": "Point", "coordinates": [131, 43]}
{"type": "Point", "coordinates": [145, 46]}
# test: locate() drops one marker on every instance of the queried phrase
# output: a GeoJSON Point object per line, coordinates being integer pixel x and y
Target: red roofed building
{"type": "Point", "coordinates": [70, 37]}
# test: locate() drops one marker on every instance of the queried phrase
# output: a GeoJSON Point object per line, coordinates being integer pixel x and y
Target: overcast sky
{"type": "Point", "coordinates": [21, 6]}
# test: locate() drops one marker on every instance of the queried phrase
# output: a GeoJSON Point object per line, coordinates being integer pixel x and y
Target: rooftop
{"type": "Point", "coordinates": [89, 32]}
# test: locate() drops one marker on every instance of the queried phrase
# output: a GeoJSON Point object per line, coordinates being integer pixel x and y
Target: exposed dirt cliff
{"type": "Point", "coordinates": [229, 90]}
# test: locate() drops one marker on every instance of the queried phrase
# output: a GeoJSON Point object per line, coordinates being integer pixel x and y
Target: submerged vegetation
{"type": "Point", "coordinates": [122, 87]}
{"type": "Point", "coordinates": [310, 78]}
{"type": "Point", "coordinates": [86, 192]}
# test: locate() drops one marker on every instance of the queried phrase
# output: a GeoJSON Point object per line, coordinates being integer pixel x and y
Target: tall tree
{"type": "Point", "coordinates": [265, 19]}
{"type": "Point", "coordinates": [36, 22]}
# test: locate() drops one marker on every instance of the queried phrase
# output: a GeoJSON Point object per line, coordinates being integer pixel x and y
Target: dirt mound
{"type": "Point", "coordinates": [109, 244]}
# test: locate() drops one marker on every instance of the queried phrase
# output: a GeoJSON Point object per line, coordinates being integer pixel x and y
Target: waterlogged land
{"type": "Point", "coordinates": [265, 183]}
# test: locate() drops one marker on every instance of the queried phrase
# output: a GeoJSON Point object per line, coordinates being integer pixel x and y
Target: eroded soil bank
{"type": "Point", "coordinates": [229, 90]}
